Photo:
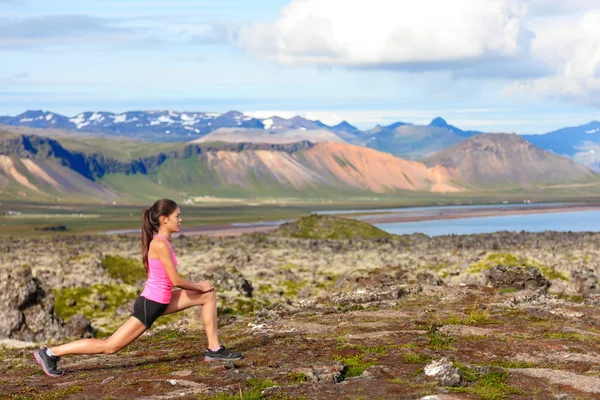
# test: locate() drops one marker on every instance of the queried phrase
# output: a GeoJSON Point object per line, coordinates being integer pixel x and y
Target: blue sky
{"type": "Point", "coordinates": [525, 66]}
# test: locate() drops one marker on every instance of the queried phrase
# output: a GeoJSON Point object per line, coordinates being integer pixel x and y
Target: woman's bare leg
{"type": "Point", "coordinates": [183, 299]}
{"type": "Point", "coordinates": [127, 333]}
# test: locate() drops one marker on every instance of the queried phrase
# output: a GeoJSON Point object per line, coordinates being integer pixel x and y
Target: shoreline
{"type": "Point", "coordinates": [470, 212]}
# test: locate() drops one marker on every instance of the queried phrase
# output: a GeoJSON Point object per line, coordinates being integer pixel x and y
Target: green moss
{"type": "Point", "coordinates": [79, 257]}
{"type": "Point", "coordinates": [491, 386]}
{"type": "Point", "coordinates": [354, 365]}
{"type": "Point", "coordinates": [571, 298]}
{"type": "Point", "coordinates": [265, 289]}
{"type": "Point", "coordinates": [328, 227]}
{"type": "Point", "coordinates": [298, 377]}
{"type": "Point", "coordinates": [380, 350]}
{"type": "Point", "coordinates": [414, 358]}
{"type": "Point", "coordinates": [437, 340]}
{"type": "Point", "coordinates": [576, 337]}
{"type": "Point", "coordinates": [128, 270]}
{"type": "Point", "coordinates": [240, 305]}
{"type": "Point", "coordinates": [551, 273]}
{"type": "Point", "coordinates": [252, 391]}
{"type": "Point", "coordinates": [510, 364]}
{"type": "Point", "coordinates": [57, 394]}
{"type": "Point", "coordinates": [292, 287]}
{"type": "Point", "coordinates": [506, 259]}
{"type": "Point", "coordinates": [494, 259]}
{"type": "Point", "coordinates": [85, 301]}
{"type": "Point", "coordinates": [436, 267]}
{"type": "Point", "coordinates": [507, 290]}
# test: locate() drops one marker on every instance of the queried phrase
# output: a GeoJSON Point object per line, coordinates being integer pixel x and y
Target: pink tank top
{"type": "Point", "coordinates": [158, 286]}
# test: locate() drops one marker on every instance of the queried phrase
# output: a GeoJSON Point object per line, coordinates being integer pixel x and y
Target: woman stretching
{"type": "Point", "coordinates": [158, 297]}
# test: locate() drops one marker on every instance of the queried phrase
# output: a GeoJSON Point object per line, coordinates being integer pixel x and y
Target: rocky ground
{"type": "Point", "coordinates": [512, 315]}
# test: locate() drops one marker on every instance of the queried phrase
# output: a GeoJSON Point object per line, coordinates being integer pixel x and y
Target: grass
{"type": "Point", "coordinates": [571, 298]}
{"type": "Point", "coordinates": [510, 364]}
{"type": "Point", "coordinates": [414, 358]}
{"type": "Point", "coordinates": [57, 394]}
{"type": "Point", "coordinates": [436, 339]}
{"type": "Point", "coordinates": [292, 287]}
{"type": "Point", "coordinates": [477, 316]}
{"type": "Point", "coordinates": [490, 386]}
{"type": "Point", "coordinates": [251, 391]}
{"type": "Point", "coordinates": [353, 365]}
{"type": "Point", "coordinates": [298, 377]}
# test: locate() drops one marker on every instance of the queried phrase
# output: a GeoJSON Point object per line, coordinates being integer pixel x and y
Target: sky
{"type": "Point", "coordinates": [524, 66]}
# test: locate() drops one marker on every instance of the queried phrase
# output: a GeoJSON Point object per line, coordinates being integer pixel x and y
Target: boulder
{"type": "Point", "coordinates": [28, 310]}
{"type": "Point", "coordinates": [445, 372]}
{"type": "Point", "coordinates": [584, 282]}
{"type": "Point", "coordinates": [80, 327]}
{"type": "Point", "coordinates": [331, 373]}
{"type": "Point", "coordinates": [505, 276]}
{"type": "Point", "coordinates": [429, 278]}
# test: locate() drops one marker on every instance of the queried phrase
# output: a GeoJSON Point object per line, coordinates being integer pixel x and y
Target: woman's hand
{"type": "Point", "coordinates": [205, 286]}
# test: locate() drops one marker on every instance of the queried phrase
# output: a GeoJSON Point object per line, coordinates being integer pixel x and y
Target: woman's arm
{"type": "Point", "coordinates": [164, 255]}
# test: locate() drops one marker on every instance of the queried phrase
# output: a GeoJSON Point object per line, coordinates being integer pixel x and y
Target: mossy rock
{"type": "Point", "coordinates": [506, 259]}
{"type": "Point", "coordinates": [328, 227]}
{"type": "Point", "coordinates": [128, 270]}
{"type": "Point", "coordinates": [98, 303]}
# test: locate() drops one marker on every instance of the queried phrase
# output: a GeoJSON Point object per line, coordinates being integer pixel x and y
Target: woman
{"type": "Point", "coordinates": [158, 298]}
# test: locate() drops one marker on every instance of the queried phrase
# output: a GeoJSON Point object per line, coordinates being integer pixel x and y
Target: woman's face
{"type": "Point", "coordinates": [173, 221]}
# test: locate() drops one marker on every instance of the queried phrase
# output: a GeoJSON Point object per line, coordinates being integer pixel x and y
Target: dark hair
{"type": "Point", "coordinates": [151, 223]}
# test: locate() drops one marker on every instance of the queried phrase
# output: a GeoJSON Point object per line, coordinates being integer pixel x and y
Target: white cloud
{"type": "Point", "coordinates": [382, 33]}
{"type": "Point", "coordinates": [572, 45]}
{"type": "Point", "coordinates": [550, 48]}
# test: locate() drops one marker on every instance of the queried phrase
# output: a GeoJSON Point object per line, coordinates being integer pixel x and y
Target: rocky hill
{"type": "Point", "coordinates": [491, 316]}
{"type": "Point", "coordinates": [505, 159]}
{"type": "Point", "coordinates": [31, 164]}
{"type": "Point", "coordinates": [414, 142]}
{"type": "Point", "coordinates": [405, 140]}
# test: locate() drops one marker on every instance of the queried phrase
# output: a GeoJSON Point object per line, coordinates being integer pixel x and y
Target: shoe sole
{"type": "Point", "coordinates": [37, 359]}
{"type": "Point", "coordinates": [208, 359]}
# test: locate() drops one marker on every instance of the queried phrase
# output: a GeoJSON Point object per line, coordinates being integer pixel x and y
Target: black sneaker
{"type": "Point", "coordinates": [222, 354]}
{"type": "Point", "coordinates": [48, 363]}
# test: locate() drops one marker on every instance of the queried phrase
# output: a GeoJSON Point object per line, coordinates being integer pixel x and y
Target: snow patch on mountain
{"type": "Point", "coordinates": [268, 123]}
{"type": "Point", "coordinates": [120, 118]}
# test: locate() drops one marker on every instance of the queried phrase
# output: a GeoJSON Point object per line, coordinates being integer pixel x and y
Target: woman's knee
{"type": "Point", "coordinates": [212, 295]}
{"type": "Point", "coordinates": [112, 348]}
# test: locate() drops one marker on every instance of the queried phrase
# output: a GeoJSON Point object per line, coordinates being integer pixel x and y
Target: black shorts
{"type": "Point", "coordinates": [147, 311]}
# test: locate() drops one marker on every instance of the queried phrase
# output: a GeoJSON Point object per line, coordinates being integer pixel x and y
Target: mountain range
{"type": "Point", "coordinates": [109, 169]}
{"type": "Point", "coordinates": [140, 155]}
{"type": "Point", "coordinates": [405, 140]}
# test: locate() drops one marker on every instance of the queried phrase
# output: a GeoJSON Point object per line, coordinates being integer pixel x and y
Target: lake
{"type": "Point", "coordinates": [575, 221]}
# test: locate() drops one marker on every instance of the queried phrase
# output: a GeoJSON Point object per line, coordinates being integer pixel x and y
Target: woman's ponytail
{"type": "Point", "coordinates": [150, 224]}
{"type": "Point", "coordinates": [148, 229]}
